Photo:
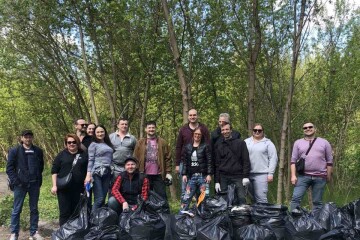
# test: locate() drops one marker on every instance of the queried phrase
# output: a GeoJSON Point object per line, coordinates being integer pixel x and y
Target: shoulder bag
{"type": "Point", "coordinates": [300, 162]}
{"type": "Point", "coordinates": [63, 182]}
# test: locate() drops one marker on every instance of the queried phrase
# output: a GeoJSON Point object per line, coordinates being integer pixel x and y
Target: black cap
{"type": "Point", "coordinates": [131, 159]}
{"type": "Point", "coordinates": [27, 132]}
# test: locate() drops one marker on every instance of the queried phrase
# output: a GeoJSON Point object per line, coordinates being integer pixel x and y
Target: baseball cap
{"type": "Point", "coordinates": [131, 159]}
{"type": "Point", "coordinates": [27, 132]}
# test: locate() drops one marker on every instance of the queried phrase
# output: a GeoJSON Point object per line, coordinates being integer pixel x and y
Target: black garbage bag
{"type": "Point", "coordinates": [219, 228]}
{"type": "Point", "coordinates": [156, 203]}
{"type": "Point", "coordinates": [111, 232]}
{"type": "Point", "coordinates": [241, 216]}
{"type": "Point", "coordinates": [270, 215]}
{"type": "Point", "coordinates": [353, 210]}
{"type": "Point", "coordinates": [104, 216]}
{"type": "Point", "coordinates": [341, 233]}
{"type": "Point", "coordinates": [212, 207]}
{"type": "Point", "coordinates": [231, 195]}
{"type": "Point", "coordinates": [124, 224]}
{"type": "Point", "coordinates": [167, 220]}
{"type": "Point", "coordinates": [330, 217]}
{"type": "Point", "coordinates": [77, 227]}
{"type": "Point", "coordinates": [301, 225]}
{"type": "Point", "coordinates": [183, 227]}
{"type": "Point", "coordinates": [254, 232]}
{"type": "Point", "coordinates": [142, 225]}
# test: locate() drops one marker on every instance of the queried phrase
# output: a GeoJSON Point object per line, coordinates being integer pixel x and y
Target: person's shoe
{"type": "Point", "coordinates": [13, 236]}
{"type": "Point", "coordinates": [36, 236]}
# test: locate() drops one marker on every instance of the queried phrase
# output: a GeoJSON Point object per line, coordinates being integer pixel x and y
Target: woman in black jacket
{"type": "Point", "coordinates": [197, 168]}
{"type": "Point", "coordinates": [69, 196]}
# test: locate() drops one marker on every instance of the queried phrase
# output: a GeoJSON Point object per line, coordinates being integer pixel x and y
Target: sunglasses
{"type": "Point", "coordinates": [309, 127]}
{"type": "Point", "coordinates": [257, 130]}
{"type": "Point", "coordinates": [84, 125]}
{"type": "Point", "coordinates": [71, 142]}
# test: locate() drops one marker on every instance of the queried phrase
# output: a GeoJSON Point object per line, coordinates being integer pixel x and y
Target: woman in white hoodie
{"type": "Point", "coordinates": [263, 161]}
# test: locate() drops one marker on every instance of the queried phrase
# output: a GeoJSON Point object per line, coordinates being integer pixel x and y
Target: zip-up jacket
{"type": "Point", "coordinates": [204, 159]}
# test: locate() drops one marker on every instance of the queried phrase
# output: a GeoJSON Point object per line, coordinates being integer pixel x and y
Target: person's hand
{"type": "Point", "coordinates": [125, 206]}
{"type": "Point", "coordinates": [328, 178]}
{"type": "Point", "coordinates": [54, 190]}
{"type": "Point", "coordinates": [217, 187]}
{"type": "Point", "coordinates": [184, 178]}
{"type": "Point", "coordinates": [168, 176]}
{"type": "Point", "coordinates": [208, 179]}
{"type": "Point", "coordinates": [177, 169]}
{"type": "Point", "coordinates": [270, 178]}
{"type": "Point", "coordinates": [245, 182]}
{"type": "Point", "coordinates": [293, 180]}
{"type": "Point", "coordinates": [87, 180]}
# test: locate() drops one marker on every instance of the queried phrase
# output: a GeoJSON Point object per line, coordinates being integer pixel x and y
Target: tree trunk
{"type": "Point", "coordinates": [254, 52]}
{"type": "Point", "coordinates": [287, 112]}
{"type": "Point", "coordinates": [86, 70]}
{"type": "Point", "coordinates": [185, 93]}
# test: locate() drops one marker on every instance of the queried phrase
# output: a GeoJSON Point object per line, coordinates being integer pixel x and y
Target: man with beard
{"type": "Point", "coordinates": [80, 127]}
{"type": "Point", "coordinates": [154, 156]}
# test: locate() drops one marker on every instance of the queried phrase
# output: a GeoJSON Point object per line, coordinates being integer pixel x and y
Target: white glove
{"type": "Point", "coordinates": [217, 187]}
{"type": "Point", "coordinates": [168, 176]}
{"type": "Point", "coordinates": [245, 182]}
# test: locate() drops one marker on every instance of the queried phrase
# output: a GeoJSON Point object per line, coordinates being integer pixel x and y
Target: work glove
{"type": "Point", "coordinates": [168, 176]}
{"type": "Point", "coordinates": [245, 182]}
{"type": "Point", "coordinates": [217, 187]}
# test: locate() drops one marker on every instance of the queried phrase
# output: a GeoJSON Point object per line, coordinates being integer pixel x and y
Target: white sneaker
{"type": "Point", "coordinates": [13, 237]}
{"type": "Point", "coordinates": [36, 236]}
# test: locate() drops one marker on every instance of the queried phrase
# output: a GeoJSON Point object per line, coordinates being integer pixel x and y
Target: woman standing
{"type": "Point", "coordinates": [69, 196]}
{"type": "Point", "coordinates": [197, 168]}
{"type": "Point", "coordinates": [98, 171]}
{"type": "Point", "coordinates": [263, 161]}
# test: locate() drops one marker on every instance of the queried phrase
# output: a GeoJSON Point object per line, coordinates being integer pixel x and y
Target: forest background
{"type": "Point", "coordinates": [277, 62]}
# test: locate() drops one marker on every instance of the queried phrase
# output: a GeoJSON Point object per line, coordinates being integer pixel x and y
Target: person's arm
{"type": "Point", "coordinates": [294, 156]}
{"type": "Point", "coordinates": [91, 153]}
{"type": "Point", "coordinates": [245, 159]}
{"type": "Point", "coordinates": [217, 163]}
{"type": "Point", "coordinates": [115, 190]}
{"type": "Point", "coordinates": [54, 187]}
{"type": "Point", "coordinates": [329, 160]}
{"type": "Point", "coordinates": [273, 159]}
{"type": "Point", "coordinates": [168, 159]}
{"type": "Point", "coordinates": [11, 166]}
{"type": "Point", "coordinates": [145, 189]}
{"type": "Point", "coordinates": [54, 172]}
{"type": "Point", "coordinates": [209, 159]}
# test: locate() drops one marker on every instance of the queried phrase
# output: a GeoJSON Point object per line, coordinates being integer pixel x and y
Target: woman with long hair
{"type": "Point", "coordinates": [74, 159]}
{"type": "Point", "coordinates": [98, 171]}
{"type": "Point", "coordinates": [197, 168]}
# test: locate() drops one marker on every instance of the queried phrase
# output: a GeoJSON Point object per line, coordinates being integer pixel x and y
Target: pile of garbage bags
{"type": "Point", "coordinates": [215, 218]}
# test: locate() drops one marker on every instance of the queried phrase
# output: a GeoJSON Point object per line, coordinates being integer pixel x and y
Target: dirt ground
{"type": "Point", "coordinates": [45, 228]}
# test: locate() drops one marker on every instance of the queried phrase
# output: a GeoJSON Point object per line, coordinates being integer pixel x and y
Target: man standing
{"type": "Point", "coordinates": [232, 164]}
{"type": "Point", "coordinates": [216, 134]}
{"type": "Point", "coordinates": [318, 166]}
{"type": "Point", "coordinates": [128, 186]}
{"type": "Point", "coordinates": [24, 168]}
{"type": "Point", "coordinates": [124, 145]}
{"type": "Point", "coordinates": [80, 127]}
{"type": "Point", "coordinates": [154, 157]}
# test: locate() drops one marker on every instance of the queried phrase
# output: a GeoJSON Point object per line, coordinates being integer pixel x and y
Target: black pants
{"type": "Point", "coordinates": [226, 180]}
{"type": "Point", "coordinates": [157, 185]}
{"type": "Point", "coordinates": [68, 199]}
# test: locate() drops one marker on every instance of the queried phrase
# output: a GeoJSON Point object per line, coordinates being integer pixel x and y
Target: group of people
{"type": "Point", "coordinates": [121, 168]}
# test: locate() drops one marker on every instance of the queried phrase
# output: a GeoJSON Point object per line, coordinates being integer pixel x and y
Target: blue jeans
{"type": "Point", "coordinates": [19, 197]}
{"type": "Point", "coordinates": [101, 186]}
{"type": "Point", "coordinates": [317, 185]}
{"type": "Point", "coordinates": [183, 185]}
{"type": "Point", "coordinates": [193, 184]}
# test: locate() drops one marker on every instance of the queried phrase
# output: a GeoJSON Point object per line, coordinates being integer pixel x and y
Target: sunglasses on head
{"type": "Point", "coordinates": [257, 130]}
{"type": "Point", "coordinates": [308, 127]}
{"type": "Point", "coordinates": [71, 142]}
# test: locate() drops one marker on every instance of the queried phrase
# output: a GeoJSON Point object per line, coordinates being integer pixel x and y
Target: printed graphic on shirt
{"type": "Point", "coordinates": [151, 165]}
{"type": "Point", "coordinates": [194, 160]}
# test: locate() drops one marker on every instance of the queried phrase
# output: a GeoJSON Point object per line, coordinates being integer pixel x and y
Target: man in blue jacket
{"type": "Point", "coordinates": [24, 168]}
